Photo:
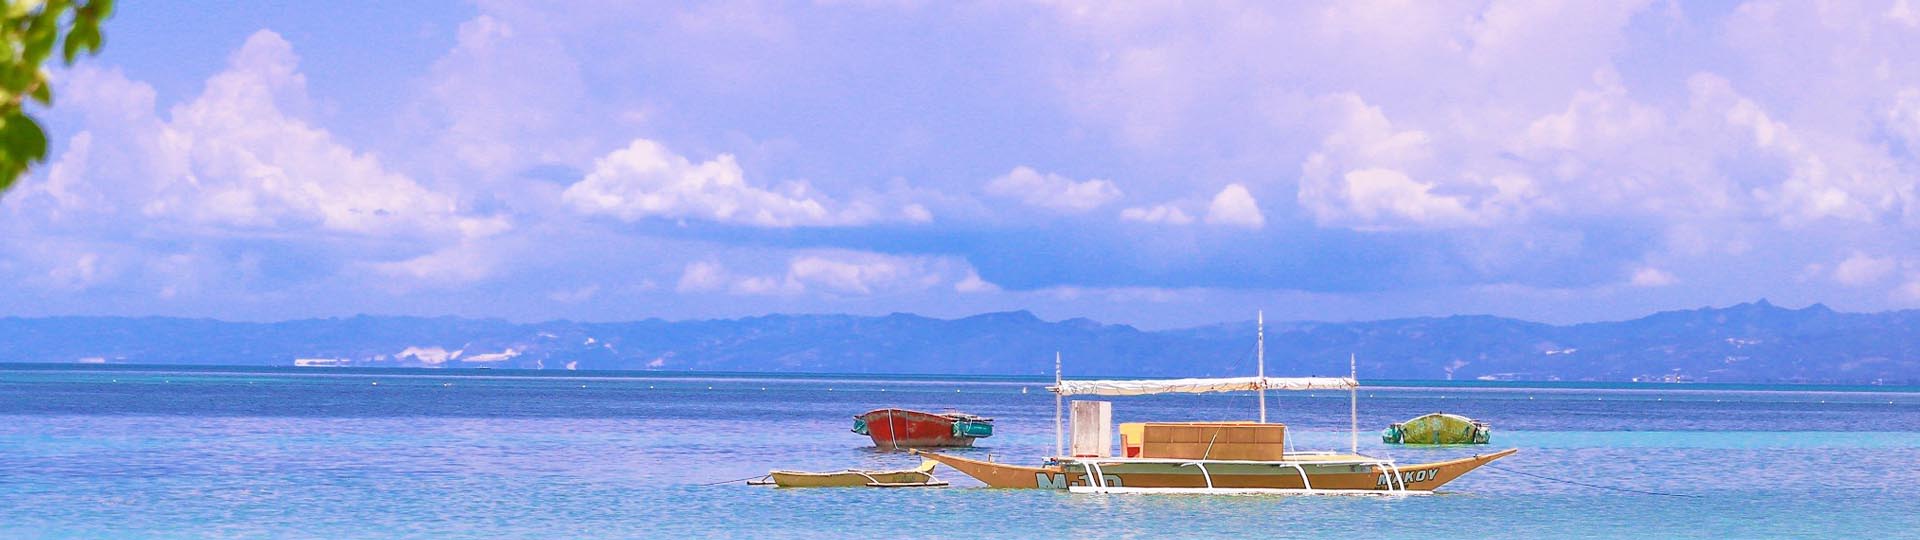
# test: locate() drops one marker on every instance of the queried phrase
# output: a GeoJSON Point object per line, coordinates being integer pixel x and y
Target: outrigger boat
{"type": "Point", "coordinates": [1208, 457]}
{"type": "Point", "coordinates": [902, 428]}
{"type": "Point", "coordinates": [921, 476]}
{"type": "Point", "coordinates": [1437, 428]}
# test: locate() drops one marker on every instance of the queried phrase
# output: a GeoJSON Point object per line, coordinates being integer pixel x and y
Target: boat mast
{"type": "Point", "coordinates": [1059, 440]}
{"type": "Point", "coordinates": [1353, 403]}
{"type": "Point", "coordinates": [1260, 325]}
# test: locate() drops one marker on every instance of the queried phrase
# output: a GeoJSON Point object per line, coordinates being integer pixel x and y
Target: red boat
{"type": "Point", "coordinates": [901, 428]}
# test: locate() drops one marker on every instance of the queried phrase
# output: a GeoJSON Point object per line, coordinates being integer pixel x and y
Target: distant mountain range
{"type": "Point", "coordinates": [1752, 342]}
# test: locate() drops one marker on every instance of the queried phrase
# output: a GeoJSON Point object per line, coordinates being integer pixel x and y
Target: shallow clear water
{"type": "Point", "coordinates": [166, 453]}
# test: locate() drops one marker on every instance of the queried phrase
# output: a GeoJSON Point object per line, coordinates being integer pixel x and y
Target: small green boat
{"type": "Point", "coordinates": [1438, 428]}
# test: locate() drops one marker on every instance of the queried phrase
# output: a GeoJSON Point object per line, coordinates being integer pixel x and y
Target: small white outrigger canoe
{"type": "Point", "coordinates": [921, 476]}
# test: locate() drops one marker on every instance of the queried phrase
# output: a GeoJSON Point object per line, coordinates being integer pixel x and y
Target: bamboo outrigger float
{"type": "Point", "coordinates": [1209, 457]}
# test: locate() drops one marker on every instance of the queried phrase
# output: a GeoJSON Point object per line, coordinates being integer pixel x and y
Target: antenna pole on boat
{"type": "Point", "coordinates": [1353, 403]}
{"type": "Point", "coordinates": [1260, 325]}
{"type": "Point", "coordinates": [1059, 440]}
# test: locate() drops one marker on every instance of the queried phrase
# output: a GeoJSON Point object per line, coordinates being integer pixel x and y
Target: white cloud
{"type": "Point", "coordinates": [1648, 276]}
{"type": "Point", "coordinates": [509, 95]}
{"type": "Point", "coordinates": [1568, 139]}
{"type": "Point", "coordinates": [237, 158]}
{"type": "Point", "coordinates": [1124, 295]}
{"type": "Point", "coordinates": [645, 180]}
{"type": "Point", "coordinates": [1052, 191]}
{"type": "Point", "coordinates": [451, 266]}
{"type": "Point", "coordinates": [1909, 291]}
{"type": "Point", "coordinates": [1171, 75]}
{"type": "Point", "coordinates": [1387, 195]}
{"type": "Point", "coordinates": [1903, 119]}
{"type": "Point", "coordinates": [835, 273]}
{"type": "Point", "coordinates": [973, 284]}
{"type": "Point", "coordinates": [1235, 206]}
{"type": "Point", "coordinates": [1904, 13]}
{"type": "Point", "coordinates": [711, 276]}
{"type": "Point", "coordinates": [915, 213]}
{"type": "Point", "coordinates": [1360, 177]}
{"type": "Point", "coordinates": [82, 272]}
{"type": "Point", "coordinates": [478, 255]}
{"type": "Point", "coordinates": [857, 277]}
{"type": "Point", "coordinates": [1169, 214]}
{"type": "Point", "coordinates": [1587, 133]}
{"type": "Point", "coordinates": [1861, 269]}
{"type": "Point", "coordinates": [762, 285]}
{"type": "Point", "coordinates": [701, 276]}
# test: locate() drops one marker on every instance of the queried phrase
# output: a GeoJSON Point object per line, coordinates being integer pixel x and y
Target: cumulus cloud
{"type": "Point", "coordinates": [836, 273]}
{"type": "Point", "coordinates": [1359, 176]}
{"type": "Point", "coordinates": [509, 95]}
{"type": "Point", "coordinates": [1570, 136]}
{"type": "Point", "coordinates": [1861, 269]}
{"type": "Point", "coordinates": [238, 158]}
{"type": "Point", "coordinates": [211, 175]}
{"type": "Point", "coordinates": [1168, 213]}
{"type": "Point", "coordinates": [1234, 206]}
{"type": "Point", "coordinates": [82, 272]}
{"type": "Point", "coordinates": [1052, 191]}
{"type": "Point", "coordinates": [646, 180]}
{"type": "Point", "coordinates": [1903, 12]}
{"type": "Point", "coordinates": [1648, 276]}
{"type": "Point", "coordinates": [1571, 140]}
{"type": "Point", "coordinates": [1130, 295]}
{"type": "Point", "coordinates": [972, 283]}
{"type": "Point", "coordinates": [1375, 195]}
{"type": "Point", "coordinates": [453, 266]}
{"type": "Point", "coordinates": [701, 276]}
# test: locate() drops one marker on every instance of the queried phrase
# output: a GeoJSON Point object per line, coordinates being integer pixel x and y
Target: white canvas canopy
{"type": "Point", "coordinates": [1261, 383]}
{"type": "Point", "coordinates": [1200, 386]}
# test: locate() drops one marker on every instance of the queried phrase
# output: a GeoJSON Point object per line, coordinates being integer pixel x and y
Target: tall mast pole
{"type": "Point", "coordinates": [1059, 438]}
{"type": "Point", "coordinates": [1353, 402]}
{"type": "Point", "coordinates": [1260, 325]}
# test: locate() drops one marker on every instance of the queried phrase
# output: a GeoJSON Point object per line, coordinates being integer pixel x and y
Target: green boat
{"type": "Point", "coordinates": [1438, 428]}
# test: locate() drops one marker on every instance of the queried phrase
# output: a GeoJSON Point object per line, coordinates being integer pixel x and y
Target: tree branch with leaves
{"type": "Point", "coordinates": [28, 35]}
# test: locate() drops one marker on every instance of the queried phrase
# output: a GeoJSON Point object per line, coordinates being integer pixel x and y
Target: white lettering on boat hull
{"type": "Point", "coordinates": [1409, 476]}
{"type": "Point", "coordinates": [1060, 481]}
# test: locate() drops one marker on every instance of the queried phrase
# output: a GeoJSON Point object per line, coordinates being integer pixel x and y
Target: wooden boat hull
{"type": "Point", "coordinates": [1224, 474]}
{"type": "Point", "coordinates": [902, 428]}
{"type": "Point", "coordinates": [1436, 429]}
{"type": "Point", "coordinates": [920, 476]}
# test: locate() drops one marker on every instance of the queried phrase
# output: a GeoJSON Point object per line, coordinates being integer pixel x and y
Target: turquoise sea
{"type": "Point", "coordinates": [165, 452]}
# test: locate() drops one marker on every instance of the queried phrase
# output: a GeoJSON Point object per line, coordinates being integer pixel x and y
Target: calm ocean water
{"type": "Point", "coordinates": [314, 453]}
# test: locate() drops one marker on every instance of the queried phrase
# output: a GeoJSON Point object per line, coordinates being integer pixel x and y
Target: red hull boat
{"type": "Point", "coordinates": [901, 428]}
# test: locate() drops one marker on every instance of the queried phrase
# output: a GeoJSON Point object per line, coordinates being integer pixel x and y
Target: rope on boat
{"type": "Point", "coordinates": [1595, 486]}
{"type": "Point", "coordinates": [754, 477]}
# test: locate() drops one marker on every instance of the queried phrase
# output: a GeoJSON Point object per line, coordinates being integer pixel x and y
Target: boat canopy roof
{"type": "Point", "coordinates": [1200, 386]}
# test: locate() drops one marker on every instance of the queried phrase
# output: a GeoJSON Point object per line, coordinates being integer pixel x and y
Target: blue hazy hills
{"type": "Point", "coordinates": [1751, 342]}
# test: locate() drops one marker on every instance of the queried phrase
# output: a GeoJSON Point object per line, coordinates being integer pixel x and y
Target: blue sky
{"type": "Point", "coordinates": [1150, 163]}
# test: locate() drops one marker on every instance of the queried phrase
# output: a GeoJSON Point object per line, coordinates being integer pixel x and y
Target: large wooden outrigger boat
{"type": "Point", "coordinates": [1207, 457]}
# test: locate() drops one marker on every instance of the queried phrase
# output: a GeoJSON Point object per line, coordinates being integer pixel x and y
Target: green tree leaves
{"type": "Point", "coordinates": [28, 33]}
